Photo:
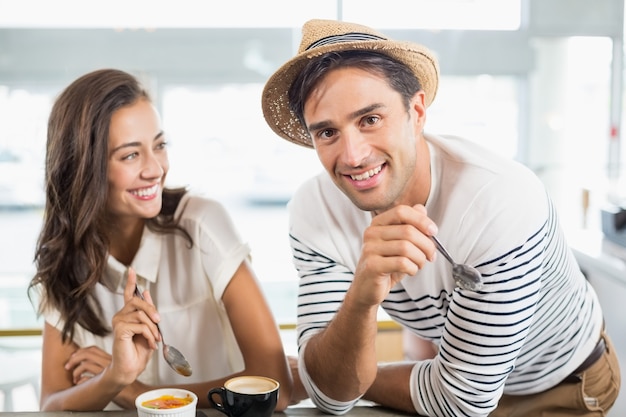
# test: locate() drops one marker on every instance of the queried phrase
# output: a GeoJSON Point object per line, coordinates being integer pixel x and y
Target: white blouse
{"type": "Point", "coordinates": [186, 285]}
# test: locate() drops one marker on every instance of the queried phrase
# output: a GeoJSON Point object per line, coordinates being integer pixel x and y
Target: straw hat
{"type": "Point", "coordinates": [321, 36]}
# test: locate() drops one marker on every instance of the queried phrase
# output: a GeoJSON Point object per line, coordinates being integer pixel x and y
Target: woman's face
{"type": "Point", "coordinates": [137, 162]}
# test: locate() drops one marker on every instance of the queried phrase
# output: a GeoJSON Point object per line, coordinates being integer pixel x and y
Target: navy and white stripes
{"type": "Point", "coordinates": [535, 319]}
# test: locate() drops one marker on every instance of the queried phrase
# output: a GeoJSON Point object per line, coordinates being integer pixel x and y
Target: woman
{"type": "Point", "coordinates": [109, 223]}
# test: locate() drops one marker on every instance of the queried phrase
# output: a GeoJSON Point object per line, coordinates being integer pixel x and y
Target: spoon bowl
{"type": "Point", "coordinates": [465, 276]}
{"type": "Point", "coordinates": [172, 356]}
{"type": "Point", "coordinates": [175, 359]}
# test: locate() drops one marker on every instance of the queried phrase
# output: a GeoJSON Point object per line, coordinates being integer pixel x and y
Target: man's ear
{"type": "Point", "coordinates": [417, 109]}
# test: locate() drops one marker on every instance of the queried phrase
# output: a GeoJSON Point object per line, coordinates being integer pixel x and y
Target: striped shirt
{"type": "Point", "coordinates": [533, 322]}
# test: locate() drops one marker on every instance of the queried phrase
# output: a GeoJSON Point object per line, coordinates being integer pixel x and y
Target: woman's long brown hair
{"type": "Point", "coordinates": [72, 248]}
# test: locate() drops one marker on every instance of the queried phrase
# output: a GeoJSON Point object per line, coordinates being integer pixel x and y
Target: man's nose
{"type": "Point", "coordinates": [354, 148]}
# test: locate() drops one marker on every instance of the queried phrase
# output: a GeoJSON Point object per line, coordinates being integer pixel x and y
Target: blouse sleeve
{"type": "Point", "coordinates": [222, 249]}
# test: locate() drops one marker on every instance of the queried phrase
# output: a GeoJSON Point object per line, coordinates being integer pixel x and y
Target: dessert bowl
{"type": "Point", "coordinates": [166, 402]}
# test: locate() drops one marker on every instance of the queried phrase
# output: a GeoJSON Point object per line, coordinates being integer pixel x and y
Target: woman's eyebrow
{"type": "Point", "coordinates": [132, 144]}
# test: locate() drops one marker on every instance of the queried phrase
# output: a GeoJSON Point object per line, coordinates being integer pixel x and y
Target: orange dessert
{"type": "Point", "coordinates": [167, 401]}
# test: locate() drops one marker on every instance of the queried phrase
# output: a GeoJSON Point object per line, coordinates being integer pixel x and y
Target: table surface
{"type": "Point", "coordinates": [368, 411]}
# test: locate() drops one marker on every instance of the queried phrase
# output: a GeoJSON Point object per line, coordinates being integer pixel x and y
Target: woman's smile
{"type": "Point", "coordinates": [147, 193]}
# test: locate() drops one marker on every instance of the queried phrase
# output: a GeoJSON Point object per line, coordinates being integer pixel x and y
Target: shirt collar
{"type": "Point", "coordinates": [145, 263]}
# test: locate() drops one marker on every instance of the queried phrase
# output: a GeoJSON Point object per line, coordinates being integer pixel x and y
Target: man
{"type": "Point", "coordinates": [529, 340]}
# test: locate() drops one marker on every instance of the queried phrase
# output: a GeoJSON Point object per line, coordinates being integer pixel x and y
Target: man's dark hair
{"type": "Point", "coordinates": [398, 75]}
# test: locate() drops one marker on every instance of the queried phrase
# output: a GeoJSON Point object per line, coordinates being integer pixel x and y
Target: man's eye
{"type": "Point", "coordinates": [371, 120]}
{"type": "Point", "coordinates": [324, 134]}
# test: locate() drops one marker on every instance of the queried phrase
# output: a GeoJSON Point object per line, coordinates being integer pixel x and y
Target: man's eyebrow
{"type": "Point", "coordinates": [361, 112]}
{"type": "Point", "coordinates": [366, 110]}
{"type": "Point", "coordinates": [131, 144]}
{"type": "Point", "coordinates": [319, 125]}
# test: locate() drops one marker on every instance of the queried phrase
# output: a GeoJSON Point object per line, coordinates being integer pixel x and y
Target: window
{"type": "Point", "coordinates": [222, 148]}
{"type": "Point", "coordinates": [23, 117]}
{"type": "Point", "coordinates": [436, 14]}
{"type": "Point", "coordinates": [484, 109]}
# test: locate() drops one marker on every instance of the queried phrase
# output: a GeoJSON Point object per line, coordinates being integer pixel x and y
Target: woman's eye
{"type": "Point", "coordinates": [161, 145]}
{"type": "Point", "coordinates": [130, 156]}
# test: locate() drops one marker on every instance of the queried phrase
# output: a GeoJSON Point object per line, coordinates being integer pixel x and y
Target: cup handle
{"type": "Point", "coordinates": [218, 406]}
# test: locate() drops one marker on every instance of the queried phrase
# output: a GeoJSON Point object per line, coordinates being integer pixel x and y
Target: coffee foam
{"type": "Point", "coordinates": [251, 385]}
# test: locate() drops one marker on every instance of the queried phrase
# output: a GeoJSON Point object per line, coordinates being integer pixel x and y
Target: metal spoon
{"type": "Point", "coordinates": [172, 356]}
{"type": "Point", "coordinates": [465, 276]}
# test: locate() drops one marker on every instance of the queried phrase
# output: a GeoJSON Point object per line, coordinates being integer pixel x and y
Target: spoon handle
{"type": "Point", "coordinates": [443, 250]}
{"type": "Point", "coordinates": [140, 295]}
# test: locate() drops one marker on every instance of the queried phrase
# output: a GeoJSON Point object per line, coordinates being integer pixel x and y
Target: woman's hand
{"type": "Point", "coordinates": [89, 378]}
{"type": "Point", "coordinates": [86, 363]}
{"type": "Point", "coordinates": [135, 334]}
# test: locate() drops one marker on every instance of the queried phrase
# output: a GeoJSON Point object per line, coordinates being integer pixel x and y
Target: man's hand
{"type": "Point", "coordinates": [299, 393]}
{"type": "Point", "coordinates": [396, 244]}
{"type": "Point", "coordinates": [342, 358]}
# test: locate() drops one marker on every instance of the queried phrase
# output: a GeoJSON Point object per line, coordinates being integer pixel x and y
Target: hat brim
{"type": "Point", "coordinates": [275, 100]}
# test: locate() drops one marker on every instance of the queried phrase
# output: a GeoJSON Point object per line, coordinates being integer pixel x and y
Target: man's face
{"type": "Point", "coordinates": [367, 140]}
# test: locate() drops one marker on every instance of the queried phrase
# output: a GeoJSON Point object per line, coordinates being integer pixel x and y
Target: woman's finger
{"type": "Point", "coordinates": [143, 302]}
{"type": "Point", "coordinates": [85, 369]}
{"type": "Point", "coordinates": [131, 283]}
{"type": "Point", "coordinates": [137, 321]}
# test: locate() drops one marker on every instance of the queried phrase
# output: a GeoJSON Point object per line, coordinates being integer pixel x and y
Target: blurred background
{"type": "Point", "coordinates": [539, 81]}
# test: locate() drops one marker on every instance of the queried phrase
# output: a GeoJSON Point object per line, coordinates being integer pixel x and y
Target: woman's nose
{"type": "Point", "coordinates": [153, 167]}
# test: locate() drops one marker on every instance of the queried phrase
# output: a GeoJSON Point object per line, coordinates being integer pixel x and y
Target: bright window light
{"type": "Point", "coordinates": [150, 14]}
{"type": "Point", "coordinates": [435, 14]}
{"type": "Point", "coordinates": [161, 13]}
